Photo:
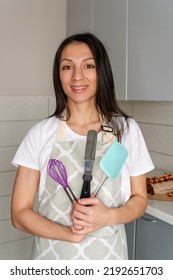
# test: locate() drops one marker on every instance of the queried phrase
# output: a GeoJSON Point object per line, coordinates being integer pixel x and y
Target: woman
{"type": "Point", "coordinates": [85, 100]}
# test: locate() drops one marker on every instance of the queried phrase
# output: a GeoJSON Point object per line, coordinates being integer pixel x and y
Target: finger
{"type": "Point", "coordinates": [79, 223]}
{"type": "Point", "coordinates": [82, 231]}
{"type": "Point", "coordinates": [77, 230]}
{"type": "Point", "coordinates": [80, 209]}
{"type": "Point", "coordinates": [88, 201]}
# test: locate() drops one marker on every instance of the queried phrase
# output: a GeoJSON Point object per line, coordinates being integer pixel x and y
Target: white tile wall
{"type": "Point", "coordinates": [20, 108]}
{"type": "Point", "coordinates": [9, 137]}
{"type": "Point", "coordinates": [9, 233]}
{"type": "Point", "coordinates": [162, 161]}
{"type": "Point", "coordinates": [153, 112]}
{"type": "Point", "coordinates": [19, 249]}
{"type": "Point", "coordinates": [6, 182]}
{"type": "Point", "coordinates": [6, 154]}
{"type": "Point", "coordinates": [126, 107]}
{"type": "Point", "coordinates": [159, 138]}
{"type": "Point", "coordinates": [51, 105]}
{"type": "Point", "coordinates": [5, 207]}
{"type": "Point", "coordinates": [156, 122]}
{"type": "Point", "coordinates": [18, 114]}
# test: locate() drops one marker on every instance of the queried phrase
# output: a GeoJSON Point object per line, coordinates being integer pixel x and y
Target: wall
{"type": "Point", "coordinates": [17, 115]}
{"type": "Point", "coordinates": [156, 122]}
{"type": "Point", "coordinates": [30, 32]}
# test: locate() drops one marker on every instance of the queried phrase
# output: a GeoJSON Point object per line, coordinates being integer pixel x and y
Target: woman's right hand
{"type": "Point", "coordinates": [77, 238]}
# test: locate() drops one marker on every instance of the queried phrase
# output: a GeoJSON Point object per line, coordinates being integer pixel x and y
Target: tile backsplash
{"type": "Point", "coordinates": [19, 113]}
{"type": "Point", "coordinates": [156, 122]}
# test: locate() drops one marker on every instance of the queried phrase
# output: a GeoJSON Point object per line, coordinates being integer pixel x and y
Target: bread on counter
{"type": "Point", "coordinates": [160, 185]}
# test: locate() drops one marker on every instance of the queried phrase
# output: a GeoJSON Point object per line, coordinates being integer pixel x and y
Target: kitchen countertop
{"type": "Point", "coordinates": [162, 210]}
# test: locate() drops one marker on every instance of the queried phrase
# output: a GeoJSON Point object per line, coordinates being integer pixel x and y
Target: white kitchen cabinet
{"type": "Point", "coordinates": [109, 24]}
{"type": "Point", "coordinates": [107, 20]}
{"type": "Point", "coordinates": [150, 45]}
{"type": "Point", "coordinates": [138, 37]}
{"type": "Point", "coordinates": [79, 16]}
{"type": "Point", "coordinates": [154, 239]}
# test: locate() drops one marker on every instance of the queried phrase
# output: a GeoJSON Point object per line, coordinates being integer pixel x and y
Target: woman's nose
{"type": "Point", "coordinates": [77, 74]}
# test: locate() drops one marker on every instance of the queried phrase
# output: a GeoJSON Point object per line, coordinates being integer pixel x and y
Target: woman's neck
{"type": "Point", "coordinates": [84, 118]}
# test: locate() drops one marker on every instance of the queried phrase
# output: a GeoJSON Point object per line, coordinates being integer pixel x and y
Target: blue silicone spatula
{"type": "Point", "coordinates": [112, 162]}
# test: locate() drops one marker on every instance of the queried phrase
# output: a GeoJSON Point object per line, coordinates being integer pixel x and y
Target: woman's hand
{"type": "Point", "coordinates": [88, 215]}
{"type": "Point", "coordinates": [77, 237]}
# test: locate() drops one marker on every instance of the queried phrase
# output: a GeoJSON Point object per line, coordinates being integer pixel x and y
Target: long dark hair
{"type": "Point", "coordinates": [105, 96]}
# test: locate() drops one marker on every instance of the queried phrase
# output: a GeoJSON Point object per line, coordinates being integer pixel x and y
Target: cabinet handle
{"type": "Point", "coordinates": [149, 220]}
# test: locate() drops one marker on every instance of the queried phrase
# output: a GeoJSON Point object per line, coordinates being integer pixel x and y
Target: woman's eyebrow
{"type": "Point", "coordinates": [70, 60]}
{"type": "Point", "coordinates": [65, 59]}
{"type": "Point", "coordinates": [89, 58]}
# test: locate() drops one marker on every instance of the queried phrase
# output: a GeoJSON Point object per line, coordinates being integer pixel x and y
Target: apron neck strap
{"type": "Point", "coordinates": [60, 135]}
{"type": "Point", "coordinates": [107, 131]}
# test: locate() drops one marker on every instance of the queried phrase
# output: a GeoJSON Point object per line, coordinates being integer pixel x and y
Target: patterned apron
{"type": "Point", "coordinates": [108, 243]}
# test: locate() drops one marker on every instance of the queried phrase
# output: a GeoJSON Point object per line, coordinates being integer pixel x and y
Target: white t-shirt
{"type": "Point", "coordinates": [35, 149]}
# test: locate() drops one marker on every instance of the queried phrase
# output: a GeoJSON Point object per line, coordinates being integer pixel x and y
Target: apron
{"type": "Point", "coordinates": [108, 243]}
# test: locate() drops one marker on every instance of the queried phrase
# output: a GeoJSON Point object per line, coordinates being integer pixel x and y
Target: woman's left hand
{"type": "Point", "coordinates": [88, 215]}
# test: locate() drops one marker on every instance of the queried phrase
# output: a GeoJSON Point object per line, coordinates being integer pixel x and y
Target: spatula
{"type": "Point", "coordinates": [89, 158]}
{"type": "Point", "coordinates": [112, 162]}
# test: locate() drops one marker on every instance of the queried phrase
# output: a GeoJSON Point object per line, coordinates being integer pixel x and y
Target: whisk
{"type": "Point", "coordinates": [58, 172]}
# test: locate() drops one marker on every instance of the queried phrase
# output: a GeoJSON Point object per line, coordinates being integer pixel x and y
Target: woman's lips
{"type": "Point", "coordinates": [79, 88]}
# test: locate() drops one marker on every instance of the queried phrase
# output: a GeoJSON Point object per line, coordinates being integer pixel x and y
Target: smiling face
{"type": "Point", "coordinates": [78, 73]}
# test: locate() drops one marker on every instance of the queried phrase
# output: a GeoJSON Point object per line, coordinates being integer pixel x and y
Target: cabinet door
{"type": "Point", "coordinates": [154, 239]}
{"type": "Point", "coordinates": [109, 24]}
{"type": "Point", "coordinates": [150, 45]}
{"type": "Point", "coordinates": [79, 16]}
{"type": "Point", "coordinates": [131, 235]}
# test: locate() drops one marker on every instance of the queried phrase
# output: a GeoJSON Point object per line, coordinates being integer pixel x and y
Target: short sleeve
{"type": "Point", "coordinates": [27, 154]}
{"type": "Point", "coordinates": [140, 161]}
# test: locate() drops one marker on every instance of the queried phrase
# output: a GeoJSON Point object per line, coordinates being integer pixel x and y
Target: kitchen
{"type": "Point", "coordinates": [31, 31]}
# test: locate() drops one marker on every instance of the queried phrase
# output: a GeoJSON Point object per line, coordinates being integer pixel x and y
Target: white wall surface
{"type": "Point", "coordinates": [17, 115]}
{"type": "Point", "coordinates": [155, 119]}
{"type": "Point", "coordinates": [30, 31]}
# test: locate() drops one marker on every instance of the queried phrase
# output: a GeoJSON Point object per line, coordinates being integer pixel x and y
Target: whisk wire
{"type": "Point", "coordinates": [57, 171]}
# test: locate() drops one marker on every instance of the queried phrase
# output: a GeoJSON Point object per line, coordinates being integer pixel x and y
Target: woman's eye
{"type": "Point", "coordinates": [90, 66]}
{"type": "Point", "coordinates": [66, 67]}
